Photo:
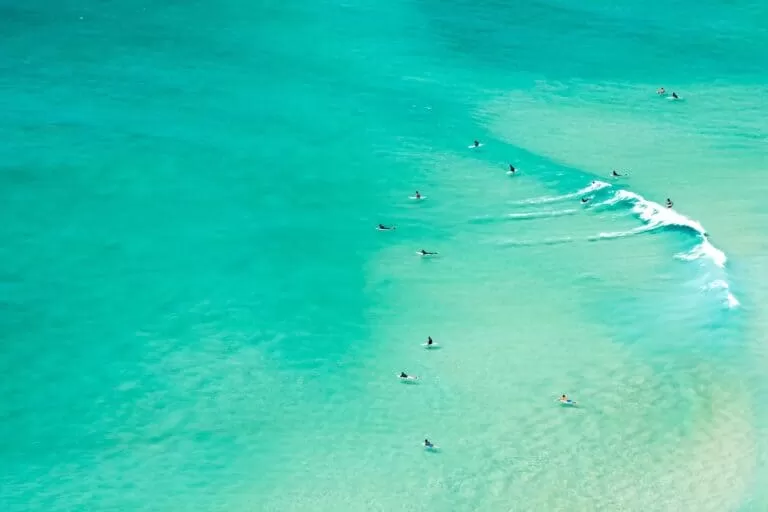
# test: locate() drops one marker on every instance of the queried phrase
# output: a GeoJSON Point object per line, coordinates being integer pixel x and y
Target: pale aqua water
{"type": "Point", "coordinates": [197, 314]}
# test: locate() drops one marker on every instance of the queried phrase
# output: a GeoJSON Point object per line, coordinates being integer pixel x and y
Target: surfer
{"type": "Point", "coordinates": [429, 340]}
{"type": "Point", "coordinates": [382, 227]}
{"type": "Point", "coordinates": [427, 444]}
{"type": "Point", "coordinates": [615, 174]}
{"type": "Point", "coordinates": [675, 96]}
{"type": "Point", "coordinates": [417, 196]}
{"type": "Point", "coordinates": [512, 169]}
{"type": "Point", "coordinates": [403, 375]}
{"type": "Point", "coordinates": [564, 398]}
{"type": "Point", "coordinates": [669, 203]}
{"type": "Point", "coordinates": [584, 200]}
{"type": "Point", "coordinates": [426, 253]}
{"type": "Point", "coordinates": [660, 91]}
{"type": "Point", "coordinates": [477, 143]}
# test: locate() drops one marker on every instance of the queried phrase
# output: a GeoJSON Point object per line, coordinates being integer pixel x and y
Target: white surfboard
{"type": "Point", "coordinates": [426, 255]}
{"type": "Point", "coordinates": [420, 198]}
{"type": "Point", "coordinates": [387, 229]}
{"type": "Point", "coordinates": [431, 448]}
{"type": "Point", "coordinates": [472, 146]}
{"type": "Point", "coordinates": [567, 403]}
{"type": "Point", "coordinates": [432, 346]}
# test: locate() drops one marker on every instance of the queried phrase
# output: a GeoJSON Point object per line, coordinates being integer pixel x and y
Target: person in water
{"type": "Point", "coordinates": [428, 444]}
{"type": "Point", "coordinates": [669, 203]}
{"type": "Point", "coordinates": [584, 200]}
{"type": "Point", "coordinates": [426, 253]}
{"type": "Point", "coordinates": [417, 196]}
{"type": "Point", "coordinates": [477, 143]}
{"type": "Point", "coordinates": [674, 95]}
{"type": "Point", "coordinates": [512, 168]}
{"type": "Point", "coordinates": [660, 91]}
{"type": "Point", "coordinates": [386, 228]}
{"type": "Point", "coordinates": [563, 398]}
{"type": "Point", "coordinates": [614, 173]}
{"type": "Point", "coordinates": [403, 375]}
{"type": "Point", "coordinates": [429, 340]}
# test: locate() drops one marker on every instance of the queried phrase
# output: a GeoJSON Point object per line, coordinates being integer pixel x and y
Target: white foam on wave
{"type": "Point", "coordinates": [656, 216]}
{"type": "Point", "coordinates": [704, 250]}
{"type": "Point", "coordinates": [721, 284]}
{"type": "Point", "coordinates": [653, 213]}
{"type": "Point", "coordinates": [593, 187]}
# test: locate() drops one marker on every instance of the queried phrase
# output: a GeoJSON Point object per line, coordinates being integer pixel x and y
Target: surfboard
{"type": "Point", "coordinates": [431, 448]}
{"type": "Point", "coordinates": [568, 402]}
{"type": "Point", "coordinates": [472, 146]}
{"type": "Point", "coordinates": [420, 198]}
{"type": "Point", "coordinates": [426, 255]}
{"type": "Point", "coordinates": [432, 346]}
{"type": "Point", "coordinates": [410, 378]}
{"type": "Point", "coordinates": [387, 229]}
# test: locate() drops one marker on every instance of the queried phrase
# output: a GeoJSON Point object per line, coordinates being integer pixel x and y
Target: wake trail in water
{"type": "Point", "coordinates": [540, 215]}
{"type": "Point", "coordinates": [593, 187]}
{"type": "Point", "coordinates": [543, 214]}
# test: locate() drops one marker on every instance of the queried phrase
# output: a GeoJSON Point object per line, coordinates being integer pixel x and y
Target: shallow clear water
{"type": "Point", "coordinates": [198, 314]}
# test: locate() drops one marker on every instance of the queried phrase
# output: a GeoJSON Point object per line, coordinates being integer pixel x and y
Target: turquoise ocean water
{"type": "Point", "coordinates": [197, 314]}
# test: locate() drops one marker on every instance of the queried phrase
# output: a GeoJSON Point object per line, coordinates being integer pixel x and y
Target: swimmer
{"type": "Point", "coordinates": [429, 340]}
{"type": "Point", "coordinates": [669, 203]}
{"type": "Point", "coordinates": [512, 169]}
{"type": "Point", "coordinates": [382, 227]}
{"type": "Point", "coordinates": [674, 95]}
{"type": "Point", "coordinates": [426, 253]}
{"type": "Point", "coordinates": [584, 200]}
{"type": "Point", "coordinates": [564, 398]}
{"type": "Point", "coordinates": [427, 444]}
{"type": "Point", "coordinates": [660, 91]}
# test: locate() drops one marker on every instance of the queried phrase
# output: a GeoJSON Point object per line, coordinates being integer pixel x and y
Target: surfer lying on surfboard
{"type": "Point", "coordinates": [426, 253]}
{"type": "Point", "coordinates": [382, 227]}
